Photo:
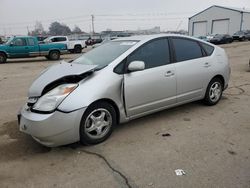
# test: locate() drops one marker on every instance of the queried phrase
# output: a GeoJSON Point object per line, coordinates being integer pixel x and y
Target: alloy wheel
{"type": "Point", "coordinates": [98, 123]}
{"type": "Point", "coordinates": [215, 92]}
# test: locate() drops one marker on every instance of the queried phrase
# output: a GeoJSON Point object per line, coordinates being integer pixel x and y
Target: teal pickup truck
{"type": "Point", "coordinates": [27, 46]}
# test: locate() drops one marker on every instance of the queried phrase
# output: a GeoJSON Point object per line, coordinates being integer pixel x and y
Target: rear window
{"type": "Point", "coordinates": [208, 49]}
{"type": "Point", "coordinates": [58, 39]}
{"type": "Point", "coordinates": [186, 49]}
{"type": "Point", "coordinates": [31, 42]}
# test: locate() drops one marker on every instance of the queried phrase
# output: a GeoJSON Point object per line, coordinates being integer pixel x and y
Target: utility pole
{"type": "Point", "coordinates": [28, 30]}
{"type": "Point", "coordinates": [179, 25]}
{"type": "Point", "coordinates": [92, 20]}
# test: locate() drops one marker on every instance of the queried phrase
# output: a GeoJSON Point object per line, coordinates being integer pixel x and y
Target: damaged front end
{"type": "Point", "coordinates": [55, 84]}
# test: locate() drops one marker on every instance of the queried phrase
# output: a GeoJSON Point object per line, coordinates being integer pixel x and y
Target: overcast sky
{"type": "Point", "coordinates": [16, 16]}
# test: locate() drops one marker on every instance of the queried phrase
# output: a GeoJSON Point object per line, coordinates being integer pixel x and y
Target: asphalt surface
{"type": "Point", "coordinates": [211, 144]}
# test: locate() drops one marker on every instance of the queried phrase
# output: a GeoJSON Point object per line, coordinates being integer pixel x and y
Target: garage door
{"type": "Point", "coordinates": [199, 29]}
{"type": "Point", "coordinates": [220, 26]}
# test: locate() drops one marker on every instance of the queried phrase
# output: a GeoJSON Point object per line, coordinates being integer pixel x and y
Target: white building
{"type": "Point", "coordinates": [219, 20]}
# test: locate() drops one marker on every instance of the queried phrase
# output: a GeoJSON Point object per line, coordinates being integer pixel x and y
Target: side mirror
{"type": "Point", "coordinates": [136, 66]}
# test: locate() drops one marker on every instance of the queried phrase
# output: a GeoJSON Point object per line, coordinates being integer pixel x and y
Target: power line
{"type": "Point", "coordinates": [155, 14]}
{"type": "Point", "coordinates": [91, 19]}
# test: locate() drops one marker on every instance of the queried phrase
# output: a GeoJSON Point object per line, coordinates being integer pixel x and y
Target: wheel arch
{"type": "Point", "coordinates": [54, 50]}
{"type": "Point", "coordinates": [4, 53]}
{"type": "Point", "coordinates": [219, 76]}
{"type": "Point", "coordinates": [112, 103]}
{"type": "Point", "coordinates": [77, 45]}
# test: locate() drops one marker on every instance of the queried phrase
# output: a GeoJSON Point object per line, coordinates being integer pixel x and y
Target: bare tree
{"type": "Point", "coordinates": [57, 28]}
{"type": "Point", "coordinates": [77, 30]}
{"type": "Point", "coordinates": [39, 30]}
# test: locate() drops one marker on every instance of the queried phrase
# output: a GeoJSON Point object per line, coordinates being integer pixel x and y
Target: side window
{"type": "Point", "coordinates": [20, 42]}
{"type": "Point", "coordinates": [208, 49]}
{"type": "Point", "coordinates": [60, 39]}
{"type": "Point", "coordinates": [31, 42]}
{"type": "Point", "coordinates": [119, 69]}
{"type": "Point", "coordinates": [154, 54]}
{"type": "Point", "coordinates": [186, 49]}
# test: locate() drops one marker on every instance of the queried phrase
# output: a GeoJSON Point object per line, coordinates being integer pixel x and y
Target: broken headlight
{"type": "Point", "coordinates": [53, 98]}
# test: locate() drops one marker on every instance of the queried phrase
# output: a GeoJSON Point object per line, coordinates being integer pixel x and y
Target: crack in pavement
{"type": "Point", "coordinates": [109, 165]}
{"type": "Point", "coordinates": [4, 78]}
{"type": "Point", "coordinates": [239, 88]}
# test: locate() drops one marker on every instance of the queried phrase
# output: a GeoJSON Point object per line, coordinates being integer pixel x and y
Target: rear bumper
{"type": "Point", "coordinates": [55, 129]}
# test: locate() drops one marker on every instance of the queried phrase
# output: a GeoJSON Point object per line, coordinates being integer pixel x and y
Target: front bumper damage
{"type": "Point", "coordinates": [57, 128]}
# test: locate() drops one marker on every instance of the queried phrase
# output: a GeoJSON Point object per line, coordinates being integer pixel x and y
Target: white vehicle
{"type": "Point", "coordinates": [74, 46]}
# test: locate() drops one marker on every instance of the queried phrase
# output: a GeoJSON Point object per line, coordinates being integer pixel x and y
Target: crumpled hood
{"type": "Point", "coordinates": [56, 72]}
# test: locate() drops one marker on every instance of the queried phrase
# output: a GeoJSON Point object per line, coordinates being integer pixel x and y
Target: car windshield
{"type": "Point", "coordinates": [47, 39]}
{"type": "Point", "coordinates": [239, 33]}
{"type": "Point", "coordinates": [105, 54]}
{"type": "Point", "coordinates": [9, 40]}
{"type": "Point", "coordinates": [218, 36]}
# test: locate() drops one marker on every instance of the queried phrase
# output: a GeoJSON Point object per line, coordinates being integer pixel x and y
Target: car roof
{"type": "Point", "coordinates": [56, 36]}
{"type": "Point", "coordinates": [144, 38]}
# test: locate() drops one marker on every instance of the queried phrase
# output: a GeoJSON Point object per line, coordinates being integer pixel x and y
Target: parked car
{"type": "Point", "coordinates": [93, 41]}
{"type": "Point", "coordinates": [241, 35]}
{"type": "Point", "coordinates": [119, 81]}
{"type": "Point", "coordinates": [202, 38]}
{"type": "Point", "coordinates": [26, 46]}
{"type": "Point", "coordinates": [105, 40]}
{"type": "Point", "coordinates": [221, 39]}
{"type": "Point", "coordinates": [209, 37]}
{"type": "Point", "coordinates": [74, 46]}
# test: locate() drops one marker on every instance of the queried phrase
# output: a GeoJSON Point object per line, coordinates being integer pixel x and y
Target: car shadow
{"type": "Point", "coordinates": [16, 145]}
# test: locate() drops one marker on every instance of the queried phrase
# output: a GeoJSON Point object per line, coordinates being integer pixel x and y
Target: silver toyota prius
{"type": "Point", "coordinates": [119, 81]}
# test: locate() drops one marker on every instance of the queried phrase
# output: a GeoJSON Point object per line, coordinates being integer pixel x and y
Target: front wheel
{"type": "Point", "coordinates": [97, 123]}
{"type": "Point", "coordinates": [214, 92]}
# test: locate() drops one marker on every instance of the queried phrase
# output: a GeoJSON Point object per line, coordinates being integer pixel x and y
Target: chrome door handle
{"type": "Point", "coordinates": [169, 73]}
{"type": "Point", "coordinates": [207, 64]}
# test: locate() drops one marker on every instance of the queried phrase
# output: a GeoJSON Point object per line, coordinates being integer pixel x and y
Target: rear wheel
{"type": "Point", "coordinates": [214, 92]}
{"type": "Point", "coordinates": [3, 58]}
{"type": "Point", "coordinates": [97, 123]}
{"type": "Point", "coordinates": [78, 49]}
{"type": "Point", "coordinates": [54, 55]}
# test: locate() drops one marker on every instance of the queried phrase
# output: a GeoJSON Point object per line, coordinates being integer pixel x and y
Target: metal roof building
{"type": "Point", "coordinates": [219, 20]}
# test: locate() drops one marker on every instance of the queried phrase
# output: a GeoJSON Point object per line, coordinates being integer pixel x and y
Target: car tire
{"type": "Point", "coordinates": [214, 92]}
{"type": "Point", "coordinates": [97, 123]}
{"type": "Point", "coordinates": [78, 49]}
{"type": "Point", "coordinates": [54, 55]}
{"type": "Point", "coordinates": [3, 58]}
